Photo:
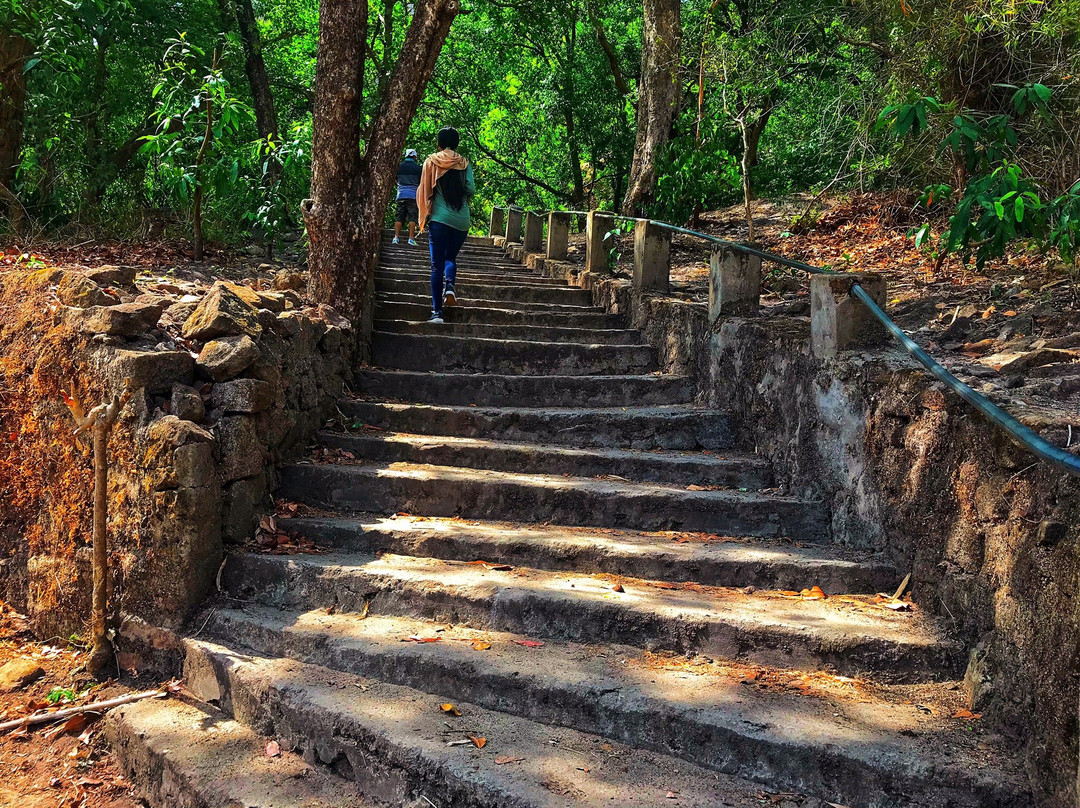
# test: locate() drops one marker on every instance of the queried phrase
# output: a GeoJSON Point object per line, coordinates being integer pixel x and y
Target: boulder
{"type": "Point", "coordinates": [274, 301]}
{"type": "Point", "coordinates": [154, 371]}
{"type": "Point", "coordinates": [242, 395]}
{"type": "Point", "coordinates": [75, 289]}
{"type": "Point", "coordinates": [18, 673]}
{"type": "Point", "coordinates": [187, 404]}
{"type": "Point", "coordinates": [290, 279]}
{"type": "Point", "coordinates": [226, 358]}
{"type": "Point", "coordinates": [227, 310]}
{"type": "Point", "coordinates": [110, 275]}
{"type": "Point", "coordinates": [127, 320]}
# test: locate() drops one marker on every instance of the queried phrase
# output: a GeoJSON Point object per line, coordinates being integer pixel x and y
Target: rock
{"type": "Point", "coordinates": [174, 432]}
{"type": "Point", "coordinates": [75, 289]}
{"type": "Point", "coordinates": [242, 504]}
{"type": "Point", "coordinates": [292, 299]}
{"type": "Point", "coordinates": [1017, 362]}
{"type": "Point", "coordinates": [242, 395]}
{"type": "Point", "coordinates": [1068, 341]}
{"type": "Point", "coordinates": [109, 275]}
{"type": "Point", "coordinates": [290, 279]}
{"type": "Point", "coordinates": [165, 288]}
{"type": "Point", "coordinates": [1051, 532]}
{"type": "Point", "coordinates": [128, 320]}
{"type": "Point", "coordinates": [983, 346]}
{"type": "Point", "coordinates": [274, 301]}
{"type": "Point", "coordinates": [18, 673]}
{"type": "Point", "coordinates": [226, 358]}
{"type": "Point", "coordinates": [187, 404]}
{"type": "Point", "coordinates": [227, 310]}
{"type": "Point", "coordinates": [154, 371]}
{"type": "Point", "coordinates": [242, 452]}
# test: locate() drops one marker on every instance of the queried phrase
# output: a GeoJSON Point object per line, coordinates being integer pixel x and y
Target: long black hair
{"type": "Point", "coordinates": [452, 183]}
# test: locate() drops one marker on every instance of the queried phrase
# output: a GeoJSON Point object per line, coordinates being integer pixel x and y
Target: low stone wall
{"type": "Point", "coordinates": [990, 534]}
{"type": "Point", "coordinates": [224, 385]}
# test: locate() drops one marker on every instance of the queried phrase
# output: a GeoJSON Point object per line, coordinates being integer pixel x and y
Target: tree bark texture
{"type": "Point", "coordinates": [261, 96]}
{"type": "Point", "coordinates": [14, 51]}
{"type": "Point", "coordinates": [101, 652]}
{"type": "Point", "coordinates": [350, 191]}
{"type": "Point", "coordinates": [658, 95]}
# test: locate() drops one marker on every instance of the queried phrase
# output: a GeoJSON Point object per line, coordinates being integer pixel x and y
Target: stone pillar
{"type": "Point", "coordinates": [558, 235]}
{"type": "Point", "coordinates": [652, 247]}
{"type": "Point", "coordinates": [596, 254]}
{"type": "Point", "coordinates": [534, 233]}
{"type": "Point", "coordinates": [734, 283]}
{"type": "Point", "coordinates": [498, 222]}
{"type": "Point", "coordinates": [839, 322]}
{"type": "Point", "coordinates": [513, 226]}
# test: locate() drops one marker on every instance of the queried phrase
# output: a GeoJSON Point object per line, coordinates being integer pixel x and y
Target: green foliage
{"type": "Point", "coordinates": [694, 177]}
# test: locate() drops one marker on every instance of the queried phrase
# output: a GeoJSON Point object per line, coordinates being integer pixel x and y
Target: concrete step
{"type": "Point", "coordinates": [531, 333]}
{"type": "Point", "coordinates": [709, 560]}
{"type": "Point", "coordinates": [487, 390]}
{"type": "Point", "coordinates": [519, 293]}
{"type": "Point", "coordinates": [673, 468]}
{"type": "Point", "coordinates": [478, 275]}
{"type": "Point", "coordinates": [419, 311]}
{"type": "Point", "coordinates": [467, 300]}
{"type": "Point", "coordinates": [402, 749]}
{"type": "Point", "coordinates": [766, 628]}
{"type": "Point", "coordinates": [445, 353]}
{"type": "Point", "coordinates": [483, 494]}
{"type": "Point", "coordinates": [843, 740]}
{"type": "Point", "coordinates": [655, 427]}
{"type": "Point", "coordinates": [181, 755]}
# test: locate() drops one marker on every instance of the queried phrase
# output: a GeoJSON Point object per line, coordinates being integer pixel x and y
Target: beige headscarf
{"type": "Point", "coordinates": [434, 167]}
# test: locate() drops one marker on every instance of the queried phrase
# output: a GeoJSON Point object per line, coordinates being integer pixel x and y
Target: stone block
{"type": "Point", "coordinates": [597, 226]}
{"type": "Point", "coordinates": [127, 320]}
{"type": "Point", "coordinates": [652, 250]}
{"type": "Point", "coordinates": [534, 233]}
{"type": "Point", "coordinates": [111, 275]}
{"type": "Point", "coordinates": [243, 502]}
{"type": "Point", "coordinates": [839, 322]}
{"type": "Point", "coordinates": [186, 403]}
{"type": "Point", "coordinates": [498, 222]}
{"type": "Point", "coordinates": [242, 395]}
{"type": "Point", "coordinates": [154, 371]}
{"type": "Point", "coordinates": [734, 283]}
{"type": "Point", "coordinates": [75, 289]}
{"type": "Point", "coordinates": [227, 310]}
{"type": "Point", "coordinates": [241, 448]}
{"type": "Point", "coordinates": [513, 225]}
{"type": "Point", "coordinates": [290, 279]}
{"type": "Point", "coordinates": [558, 235]}
{"type": "Point", "coordinates": [226, 358]}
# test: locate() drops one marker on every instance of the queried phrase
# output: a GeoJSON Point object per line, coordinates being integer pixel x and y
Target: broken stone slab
{"type": "Point", "coordinates": [127, 320]}
{"type": "Point", "coordinates": [227, 310]}
{"type": "Point", "coordinates": [112, 275]}
{"type": "Point", "coordinates": [242, 395]}
{"type": "Point", "coordinates": [228, 357]}
{"type": "Point", "coordinates": [154, 371]}
{"type": "Point", "coordinates": [18, 673]}
{"type": "Point", "coordinates": [1019, 361]}
{"type": "Point", "coordinates": [75, 289]}
{"type": "Point", "coordinates": [187, 404]}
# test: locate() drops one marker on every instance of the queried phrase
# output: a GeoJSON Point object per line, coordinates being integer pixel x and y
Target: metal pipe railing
{"type": "Point", "coordinates": [1025, 436]}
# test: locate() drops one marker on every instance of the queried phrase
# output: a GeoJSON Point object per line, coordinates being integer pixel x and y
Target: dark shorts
{"type": "Point", "coordinates": [407, 211]}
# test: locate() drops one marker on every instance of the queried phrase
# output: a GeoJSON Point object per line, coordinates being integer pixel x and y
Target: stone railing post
{"type": "Point", "coordinates": [498, 222]}
{"type": "Point", "coordinates": [513, 226]}
{"type": "Point", "coordinates": [558, 235]}
{"type": "Point", "coordinates": [839, 322]}
{"type": "Point", "coordinates": [597, 225]}
{"type": "Point", "coordinates": [534, 233]}
{"type": "Point", "coordinates": [734, 283]}
{"type": "Point", "coordinates": [652, 249]}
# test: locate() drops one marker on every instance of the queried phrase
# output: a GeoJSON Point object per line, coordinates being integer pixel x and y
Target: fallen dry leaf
{"type": "Point", "coordinates": [273, 749]}
{"type": "Point", "coordinates": [450, 709]}
{"type": "Point", "coordinates": [528, 643]}
{"type": "Point", "coordinates": [618, 588]}
{"type": "Point", "coordinates": [479, 645]}
{"type": "Point", "coordinates": [967, 714]}
{"type": "Point", "coordinates": [813, 593]}
{"type": "Point", "coordinates": [478, 741]}
{"type": "Point", "coordinates": [418, 638]}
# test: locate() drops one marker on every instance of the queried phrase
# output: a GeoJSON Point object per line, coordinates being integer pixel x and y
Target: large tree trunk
{"type": "Point", "coordinates": [350, 192]}
{"type": "Point", "coordinates": [261, 97]}
{"type": "Point", "coordinates": [658, 94]}
{"type": "Point", "coordinates": [14, 51]}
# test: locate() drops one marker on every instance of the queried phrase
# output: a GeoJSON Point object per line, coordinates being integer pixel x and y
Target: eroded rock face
{"type": "Point", "coordinates": [18, 673]}
{"type": "Point", "coordinates": [228, 357]}
{"type": "Point", "coordinates": [75, 289]}
{"type": "Point", "coordinates": [227, 310]}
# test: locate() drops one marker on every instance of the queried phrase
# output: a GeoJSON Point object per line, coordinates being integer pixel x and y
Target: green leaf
{"type": "Point", "coordinates": [1019, 208]}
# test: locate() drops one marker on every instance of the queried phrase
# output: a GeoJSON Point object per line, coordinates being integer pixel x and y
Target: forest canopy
{"type": "Point", "coordinates": [126, 117]}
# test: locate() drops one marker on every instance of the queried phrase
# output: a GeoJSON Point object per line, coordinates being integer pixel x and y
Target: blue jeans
{"type": "Point", "coordinates": [445, 243]}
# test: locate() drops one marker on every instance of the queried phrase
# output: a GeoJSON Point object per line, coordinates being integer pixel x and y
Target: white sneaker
{"type": "Point", "coordinates": [396, 240]}
{"type": "Point", "coordinates": [449, 298]}
{"type": "Point", "coordinates": [437, 319]}
{"type": "Point", "coordinates": [412, 243]}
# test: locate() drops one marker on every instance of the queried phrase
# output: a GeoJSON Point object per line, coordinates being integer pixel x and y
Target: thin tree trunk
{"type": "Point", "coordinates": [196, 213]}
{"type": "Point", "coordinates": [751, 137]}
{"type": "Point", "coordinates": [569, 93]}
{"type": "Point", "coordinates": [101, 652]}
{"type": "Point", "coordinates": [658, 93]}
{"type": "Point", "coordinates": [349, 193]}
{"type": "Point", "coordinates": [609, 52]}
{"type": "Point", "coordinates": [262, 97]}
{"type": "Point", "coordinates": [95, 159]}
{"type": "Point", "coordinates": [14, 51]}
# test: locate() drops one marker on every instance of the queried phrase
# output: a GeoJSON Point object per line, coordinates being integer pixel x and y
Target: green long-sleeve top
{"type": "Point", "coordinates": [443, 213]}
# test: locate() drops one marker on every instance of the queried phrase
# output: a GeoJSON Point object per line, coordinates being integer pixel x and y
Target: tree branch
{"type": "Point", "coordinates": [517, 172]}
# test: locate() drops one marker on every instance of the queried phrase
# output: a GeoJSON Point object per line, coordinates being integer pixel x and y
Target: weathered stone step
{"type": "Point", "coordinates": [659, 427]}
{"type": "Point", "coordinates": [767, 628]}
{"type": "Point", "coordinates": [532, 333]}
{"type": "Point", "coordinates": [674, 468]}
{"type": "Point", "coordinates": [496, 277]}
{"type": "Point", "coordinates": [714, 561]}
{"type": "Point", "coordinates": [487, 390]}
{"type": "Point", "coordinates": [447, 354]}
{"type": "Point", "coordinates": [560, 295]}
{"type": "Point", "coordinates": [483, 494]}
{"type": "Point", "coordinates": [419, 310]}
{"type": "Point", "coordinates": [467, 300]}
{"type": "Point", "coordinates": [193, 756]}
{"type": "Point", "coordinates": [395, 743]}
{"type": "Point", "coordinates": [846, 741]}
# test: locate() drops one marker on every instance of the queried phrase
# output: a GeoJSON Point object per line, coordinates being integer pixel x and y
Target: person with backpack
{"type": "Point", "coordinates": [408, 178]}
{"type": "Point", "coordinates": [446, 186]}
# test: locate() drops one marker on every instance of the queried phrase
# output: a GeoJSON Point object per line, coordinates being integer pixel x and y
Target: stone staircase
{"type": "Point", "coordinates": [550, 581]}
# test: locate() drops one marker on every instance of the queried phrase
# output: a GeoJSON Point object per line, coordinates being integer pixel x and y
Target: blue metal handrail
{"type": "Point", "coordinates": [1027, 437]}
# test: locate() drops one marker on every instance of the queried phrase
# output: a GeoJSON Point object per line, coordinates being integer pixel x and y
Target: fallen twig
{"type": "Point", "coordinates": [96, 707]}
